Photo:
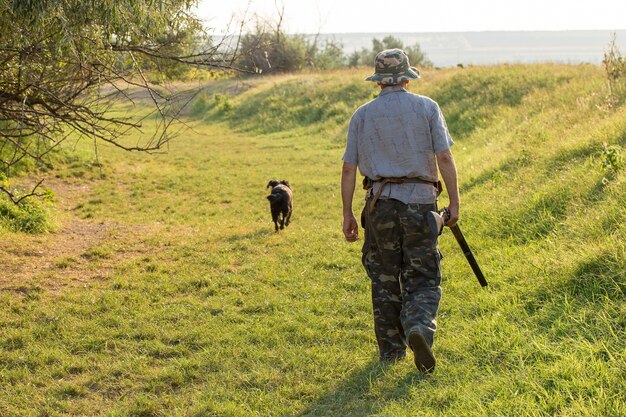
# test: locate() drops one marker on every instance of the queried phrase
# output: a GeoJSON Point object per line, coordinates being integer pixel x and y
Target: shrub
{"type": "Point", "coordinates": [223, 103]}
{"type": "Point", "coordinates": [31, 215]}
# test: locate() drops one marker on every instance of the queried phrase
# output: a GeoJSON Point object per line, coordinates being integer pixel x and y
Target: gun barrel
{"type": "Point", "coordinates": [456, 231]}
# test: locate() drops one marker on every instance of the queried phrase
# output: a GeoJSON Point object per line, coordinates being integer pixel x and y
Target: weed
{"type": "Point", "coordinates": [98, 252]}
{"type": "Point", "coordinates": [615, 68]}
{"type": "Point", "coordinates": [612, 158]}
{"type": "Point", "coordinates": [65, 263]}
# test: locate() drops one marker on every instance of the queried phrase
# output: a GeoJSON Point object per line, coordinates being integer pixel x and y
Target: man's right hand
{"type": "Point", "coordinates": [350, 228]}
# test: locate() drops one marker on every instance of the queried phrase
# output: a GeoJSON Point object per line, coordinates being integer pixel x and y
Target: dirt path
{"type": "Point", "coordinates": [68, 257]}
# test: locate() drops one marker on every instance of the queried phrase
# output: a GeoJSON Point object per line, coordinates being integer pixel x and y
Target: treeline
{"type": "Point", "coordinates": [276, 52]}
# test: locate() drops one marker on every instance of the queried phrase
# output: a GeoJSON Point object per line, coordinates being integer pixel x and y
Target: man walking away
{"type": "Point", "coordinates": [397, 141]}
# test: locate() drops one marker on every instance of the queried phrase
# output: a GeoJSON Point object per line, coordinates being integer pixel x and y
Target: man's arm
{"type": "Point", "coordinates": [447, 168]}
{"type": "Point", "coordinates": [348, 183]}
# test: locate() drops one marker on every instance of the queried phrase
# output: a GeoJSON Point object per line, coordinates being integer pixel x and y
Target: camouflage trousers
{"type": "Point", "coordinates": [401, 257]}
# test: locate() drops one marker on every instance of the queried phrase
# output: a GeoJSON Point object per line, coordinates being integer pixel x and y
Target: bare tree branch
{"type": "Point", "coordinates": [16, 199]}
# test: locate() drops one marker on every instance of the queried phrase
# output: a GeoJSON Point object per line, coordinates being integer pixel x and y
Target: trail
{"type": "Point", "coordinates": [64, 258]}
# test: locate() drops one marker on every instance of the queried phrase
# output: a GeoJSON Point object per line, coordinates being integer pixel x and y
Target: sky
{"type": "Point", "coordinates": [370, 16]}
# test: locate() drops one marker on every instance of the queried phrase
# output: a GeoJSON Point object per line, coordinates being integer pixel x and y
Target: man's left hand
{"type": "Point", "coordinates": [452, 215]}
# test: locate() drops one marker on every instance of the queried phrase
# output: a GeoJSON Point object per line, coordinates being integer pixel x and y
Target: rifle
{"type": "Point", "coordinates": [456, 231]}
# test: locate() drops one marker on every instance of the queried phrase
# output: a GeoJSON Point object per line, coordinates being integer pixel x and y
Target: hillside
{"type": "Point", "coordinates": [165, 291]}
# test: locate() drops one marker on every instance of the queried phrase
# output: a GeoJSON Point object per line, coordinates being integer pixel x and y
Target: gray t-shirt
{"type": "Point", "coordinates": [397, 135]}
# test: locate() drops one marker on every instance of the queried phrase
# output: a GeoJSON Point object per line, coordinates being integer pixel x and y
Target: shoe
{"type": "Point", "coordinates": [423, 356]}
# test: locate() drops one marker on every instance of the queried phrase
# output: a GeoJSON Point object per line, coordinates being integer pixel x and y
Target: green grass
{"type": "Point", "coordinates": [200, 309]}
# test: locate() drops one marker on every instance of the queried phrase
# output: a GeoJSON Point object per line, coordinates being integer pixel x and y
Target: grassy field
{"type": "Point", "coordinates": [164, 290]}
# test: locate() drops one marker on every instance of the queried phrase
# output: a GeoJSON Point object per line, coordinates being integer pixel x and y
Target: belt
{"type": "Point", "coordinates": [401, 180]}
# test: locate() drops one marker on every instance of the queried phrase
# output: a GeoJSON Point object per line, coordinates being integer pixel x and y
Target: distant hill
{"type": "Point", "coordinates": [488, 48]}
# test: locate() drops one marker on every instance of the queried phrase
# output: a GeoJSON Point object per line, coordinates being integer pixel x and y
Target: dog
{"type": "Point", "coordinates": [281, 202]}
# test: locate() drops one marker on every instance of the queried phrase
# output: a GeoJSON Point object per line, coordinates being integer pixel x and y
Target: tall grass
{"type": "Point", "coordinates": [202, 310]}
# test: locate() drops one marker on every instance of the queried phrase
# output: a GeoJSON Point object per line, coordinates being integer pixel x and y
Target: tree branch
{"type": "Point", "coordinates": [17, 199]}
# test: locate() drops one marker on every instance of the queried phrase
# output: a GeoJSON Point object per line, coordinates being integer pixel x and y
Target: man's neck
{"type": "Point", "coordinates": [402, 85]}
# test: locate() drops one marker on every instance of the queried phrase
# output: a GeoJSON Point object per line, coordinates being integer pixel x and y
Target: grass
{"type": "Point", "coordinates": [200, 309]}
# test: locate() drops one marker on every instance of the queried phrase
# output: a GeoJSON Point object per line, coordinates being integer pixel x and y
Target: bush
{"type": "Point", "coordinates": [31, 215]}
{"type": "Point", "coordinates": [276, 52]}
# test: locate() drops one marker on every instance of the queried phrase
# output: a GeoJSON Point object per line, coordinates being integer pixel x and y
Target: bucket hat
{"type": "Point", "coordinates": [392, 67]}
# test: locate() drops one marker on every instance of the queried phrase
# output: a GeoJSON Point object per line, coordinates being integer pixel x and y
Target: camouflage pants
{"type": "Point", "coordinates": [401, 257]}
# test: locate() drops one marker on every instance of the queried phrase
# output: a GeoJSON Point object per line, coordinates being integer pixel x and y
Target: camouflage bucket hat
{"type": "Point", "coordinates": [392, 67]}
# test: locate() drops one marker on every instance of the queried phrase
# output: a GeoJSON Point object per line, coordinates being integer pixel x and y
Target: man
{"type": "Point", "coordinates": [397, 141]}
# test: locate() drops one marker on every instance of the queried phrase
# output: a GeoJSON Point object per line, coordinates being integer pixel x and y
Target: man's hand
{"type": "Point", "coordinates": [452, 215]}
{"type": "Point", "coordinates": [447, 167]}
{"type": "Point", "coordinates": [348, 182]}
{"type": "Point", "coordinates": [350, 228]}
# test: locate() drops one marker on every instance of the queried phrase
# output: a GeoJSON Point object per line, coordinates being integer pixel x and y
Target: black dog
{"type": "Point", "coordinates": [281, 202]}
